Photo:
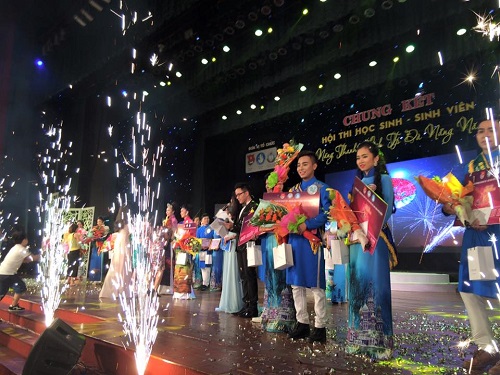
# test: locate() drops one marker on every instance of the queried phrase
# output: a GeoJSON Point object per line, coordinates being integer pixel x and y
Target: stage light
{"type": "Point", "coordinates": [253, 106]}
{"type": "Point", "coordinates": [178, 74]}
{"type": "Point", "coordinates": [337, 76]}
{"type": "Point", "coordinates": [226, 49]}
{"type": "Point", "coordinates": [305, 12]}
{"type": "Point", "coordinates": [39, 63]}
{"type": "Point", "coordinates": [461, 32]}
{"type": "Point", "coordinates": [238, 112]}
{"type": "Point", "coordinates": [395, 59]}
{"type": "Point", "coordinates": [410, 48]}
{"type": "Point", "coordinates": [258, 32]}
{"type": "Point", "coordinates": [269, 30]}
{"type": "Point", "coordinates": [214, 59]}
{"type": "Point", "coordinates": [320, 86]}
{"type": "Point", "coordinates": [262, 107]}
{"type": "Point", "coordinates": [372, 63]}
{"type": "Point", "coordinates": [204, 61]}
{"type": "Point", "coordinates": [277, 98]}
{"type": "Point", "coordinates": [162, 83]}
{"type": "Point", "coordinates": [224, 117]}
{"type": "Point", "coordinates": [303, 88]}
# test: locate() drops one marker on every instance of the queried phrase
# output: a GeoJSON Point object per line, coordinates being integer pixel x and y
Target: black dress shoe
{"type": "Point", "coordinates": [240, 312]}
{"type": "Point", "coordinates": [301, 331]}
{"type": "Point", "coordinates": [250, 313]}
{"type": "Point", "coordinates": [318, 335]}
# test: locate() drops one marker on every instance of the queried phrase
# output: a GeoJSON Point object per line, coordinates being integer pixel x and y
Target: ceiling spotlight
{"type": "Point", "coordinates": [395, 59]}
{"type": "Point", "coordinates": [39, 63]}
{"type": "Point", "coordinates": [238, 112]}
{"type": "Point", "coordinates": [214, 59]}
{"type": "Point", "coordinates": [262, 107]}
{"type": "Point", "coordinates": [372, 63]}
{"type": "Point", "coordinates": [410, 48]}
{"type": "Point", "coordinates": [337, 76]}
{"type": "Point", "coordinates": [338, 28]}
{"type": "Point", "coordinates": [266, 10]}
{"type": "Point", "coordinates": [226, 49]}
{"type": "Point", "coordinates": [204, 61]}
{"type": "Point", "coordinates": [369, 12]}
{"type": "Point", "coordinates": [178, 74]}
{"type": "Point", "coordinates": [305, 12]}
{"type": "Point", "coordinates": [387, 4]}
{"type": "Point", "coordinates": [224, 117]}
{"type": "Point", "coordinates": [269, 30]}
{"type": "Point", "coordinates": [320, 86]}
{"type": "Point", "coordinates": [354, 19]}
{"type": "Point", "coordinates": [253, 106]}
{"type": "Point", "coordinates": [162, 84]}
{"type": "Point", "coordinates": [303, 88]}
{"type": "Point", "coordinates": [258, 32]}
{"type": "Point", "coordinates": [461, 32]}
{"type": "Point", "coordinates": [277, 98]}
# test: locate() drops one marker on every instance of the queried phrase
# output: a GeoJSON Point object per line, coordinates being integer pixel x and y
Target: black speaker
{"type": "Point", "coordinates": [56, 351]}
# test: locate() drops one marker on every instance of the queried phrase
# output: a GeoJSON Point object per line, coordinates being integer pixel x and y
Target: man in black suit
{"type": "Point", "coordinates": [248, 275]}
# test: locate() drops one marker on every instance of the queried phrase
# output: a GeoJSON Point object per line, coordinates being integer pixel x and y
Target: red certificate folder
{"type": "Point", "coordinates": [370, 210]}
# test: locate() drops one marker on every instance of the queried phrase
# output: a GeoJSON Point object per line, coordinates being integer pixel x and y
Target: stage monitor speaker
{"type": "Point", "coordinates": [56, 351]}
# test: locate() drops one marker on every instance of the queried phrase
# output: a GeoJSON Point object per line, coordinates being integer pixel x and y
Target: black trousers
{"type": "Point", "coordinates": [248, 277]}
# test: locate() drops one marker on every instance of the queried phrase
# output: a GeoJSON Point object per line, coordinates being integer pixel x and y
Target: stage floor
{"type": "Point", "coordinates": [428, 327]}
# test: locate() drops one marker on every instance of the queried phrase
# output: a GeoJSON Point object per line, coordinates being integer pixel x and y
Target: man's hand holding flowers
{"type": "Point", "coordinates": [295, 222]}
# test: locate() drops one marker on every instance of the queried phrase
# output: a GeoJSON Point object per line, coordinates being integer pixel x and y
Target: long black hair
{"type": "Point", "coordinates": [380, 167]}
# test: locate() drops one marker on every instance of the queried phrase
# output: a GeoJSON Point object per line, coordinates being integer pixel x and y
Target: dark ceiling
{"type": "Point", "coordinates": [85, 45]}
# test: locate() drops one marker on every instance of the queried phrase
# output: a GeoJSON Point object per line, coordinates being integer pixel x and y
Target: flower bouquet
{"type": "Point", "coordinates": [268, 214]}
{"type": "Point", "coordinates": [285, 156]}
{"type": "Point", "coordinates": [450, 191]}
{"type": "Point", "coordinates": [290, 224]}
{"type": "Point", "coordinates": [187, 243]}
{"type": "Point", "coordinates": [343, 221]}
{"type": "Point", "coordinates": [109, 243]}
{"type": "Point", "coordinates": [342, 214]}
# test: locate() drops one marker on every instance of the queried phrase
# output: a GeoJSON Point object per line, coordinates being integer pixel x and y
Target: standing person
{"type": "Point", "coordinates": [98, 234]}
{"type": "Point", "coordinates": [16, 256]}
{"type": "Point", "coordinates": [119, 276]}
{"type": "Point", "coordinates": [308, 270]}
{"type": "Point", "coordinates": [474, 293]}
{"type": "Point", "coordinates": [204, 231]}
{"type": "Point", "coordinates": [170, 224]}
{"type": "Point", "coordinates": [183, 273]}
{"type": "Point", "coordinates": [278, 313]}
{"type": "Point", "coordinates": [170, 221]}
{"type": "Point", "coordinates": [72, 240]}
{"type": "Point", "coordinates": [248, 275]}
{"type": "Point", "coordinates": [231, 298]}
{"type": "Point", "coordinates": [369, 279]}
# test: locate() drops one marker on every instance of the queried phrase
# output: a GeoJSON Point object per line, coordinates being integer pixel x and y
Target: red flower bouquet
{"type": "Point", "coordinates": [449, 190]}
{"type": "Point", "coordinates": [268, 214]}
{"type": "Point", "coordinates": [285, 156]}
{"type": "Point", "coordinates": [342, 214]}
{"type": "Point", "coordinates": [290, 224]}
{"type": "Point", "coordinates": [187, 243]}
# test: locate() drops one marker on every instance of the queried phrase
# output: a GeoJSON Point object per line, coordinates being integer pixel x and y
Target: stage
{"type": "Point", "coordinates": [195, 339]}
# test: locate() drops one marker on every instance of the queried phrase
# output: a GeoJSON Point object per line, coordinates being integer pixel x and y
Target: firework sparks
{"type": "Point", "coordinates": [53, 261]}
{"type": "Point", "coordinates": [54, 208]}
{"type": "Point", "coordinates": [487, 27]}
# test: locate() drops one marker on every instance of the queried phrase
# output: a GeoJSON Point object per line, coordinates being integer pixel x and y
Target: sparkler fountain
{"type": "Point", "coordinates": [53, 208]}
